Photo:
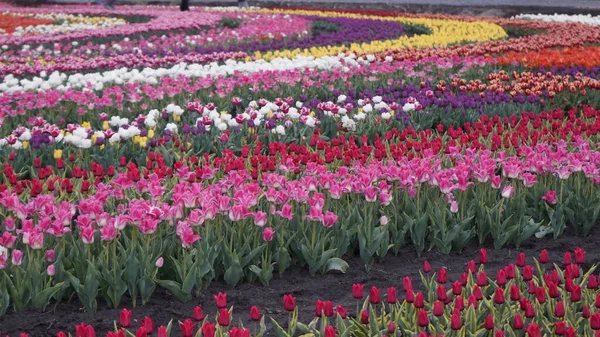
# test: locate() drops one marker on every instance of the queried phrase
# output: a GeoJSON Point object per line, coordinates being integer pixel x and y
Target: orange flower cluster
{"type": "Point", "coordinates": [581, 56]}
{"type": "Point", "coordinates": [526, 83]}
{"type": "Point", "coordinates": [8, 23]}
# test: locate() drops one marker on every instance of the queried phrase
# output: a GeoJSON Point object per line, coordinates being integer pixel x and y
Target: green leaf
{"type": "Point", "coordinates": [175, 289]}
{"type": "Point", "coordinates": [335, 263]}
{"type": "Point", "coordinates": [42, 299]}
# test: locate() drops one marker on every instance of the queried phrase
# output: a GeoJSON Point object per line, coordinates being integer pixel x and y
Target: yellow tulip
{"type": "Point", "coordinates": [58, 153]}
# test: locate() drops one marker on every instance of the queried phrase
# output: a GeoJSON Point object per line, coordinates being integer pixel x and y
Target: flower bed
{"type": "Point", "coordinates": [155, 159]}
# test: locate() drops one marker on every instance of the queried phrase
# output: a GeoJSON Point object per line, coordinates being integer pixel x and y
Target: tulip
{"type": "Point", "coordinates": [426, 267]}
{"type": "Point", "coordinates": [571, 332]}
{"type": "Point", "coordinates": [515, 294]}
{"type": "Point", "coordinates": [597, 301]}
{"type": "Point", "coordinates": [406, 284]}
{"type": "Point", "coordinates": [499, 333]}
{"type": "Point", "coordinates": [510, 271]}
{"type": "Point", "coordinates": [340, 310]}
{"type": "Point", "coordinates": [527, 273]}
{"type": "Point", "coordinates": [585, 312]}
{"type": "Point", "coordinates": [391, 327]}
{"type": "Point", "coordinates": [125, 318]}
{"type": "Point", "coordinates": [374, 297]}
{"type": "Point", "coordinates": [148, 324]}
{"type": "Point", "coordinates": [162, 331]}
{"type": "Point", "coordinates": [17, 257]}
{"type": "Point", "coordinates": [51, 270]}
{"type": "Point", "coordinates": [553, 290]}
{"type": "Point", "coordinates": [223, 319]}
{"type": "Point", "coordinates": [441, 294]}
{"type": "Point", "coordinates": [329, 332]}
{"type": "Point", "coordinates": [471, 267]}
{"type": "Point", "coordinates": [499, 296]}
{"type": "Point", "coordinates": [456, 288]}
{"type": "Point", "coordinates": [576, 294]}
{"type": "Point", "coordinates": [531, 287]}
{"type": "Point", "coordinates": [289, 302]}
{"type": "Point", "coordinates": [544, 258]}
{"type": "Point", "coordinates": [254, 313]}
{"type": "Point", "coordinates": [442, 276]}
{"type": "Point", "coordinates": [268, 234]}
{"type": "Point", "coordinates": [61, 334]}
{"type": "Point", "coordinates": [489, 322]}
{"type": "Point", "coordinates": [410, 297]}
{"type": "Point", "coordinates": [198, 313]}
{"type": "Point", "coordinates": [483, 256]}
{"type": "Point", "coordinates": [579, 255]}
{"type": "Point", "coordinates": [595, 321]}
{"type": "Point", "coordinates": [438, 308]}
{"type": "Point", "coordinates": [482, 279]}
{"type": "Point", "coordinates": [540, 295]}
{"type": "Point", "coordinates": [392, 296]}
{"type": "Point", "coordinates": [520, 260]}
{"type": "Point", "coordinates": [559, 309]}
{"type": "Point", "coordinates": [534, 330]}
{"type": "Point", "coordinates": [422, 318]}
{"type": "Point", "coordinates": [560, 327]}
{"type": "Point", "coordinates": [508, 191]}
{"type": "Point", "coordinates": [550, 197]}
{"type": "Point", "coordinates": [592, 282]}
{"type": "Point", "coordinates": [517, 322]}
{"type": "Point", "coordinates": [455, 321]}
{"type": "Point", "coordinates": [459, 303]}
{"type": "Point", "coordinates": [50, 255]}
{"type": "Point", "coordinates": [364, 317]}
{"type": "Point", "coordinates": [501, 277]}
{"type": "Point", "coordinates": [141, 332]}
{"type": "Point", "coordinates": [208, 329]}
{"type": "Point", "coordinates": [159, 262]}
{"type": "Point", "coordinates": [419, 300]}
{"type": "Point", "coordinates": [187, 328]}
{"type": "Point", "coordinates": [221, 300]}
{"type": "Point", "coordinates": [357, 291]}
{"type": "Point", "coordinates": [567, 259]}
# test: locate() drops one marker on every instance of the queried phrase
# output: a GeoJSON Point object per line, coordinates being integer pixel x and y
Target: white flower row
{"type": "Point", "coordinates": [587, 19]}
{"type": "Point", "coordinates": [69, 23]}
{"type": "Point", "coordinates": [97, 81]}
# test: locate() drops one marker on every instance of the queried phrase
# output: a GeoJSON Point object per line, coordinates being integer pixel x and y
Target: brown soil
{"type": "Point", "coordinates": [297, 281]}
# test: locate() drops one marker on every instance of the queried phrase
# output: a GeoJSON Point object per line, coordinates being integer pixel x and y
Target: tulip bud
{"type": "Point", "coordinates": [585, 312]}
{"type": "Point", "coordinates": [374, 297]}
{"type": "Point", "coordinates": [501, 277]}
{"type": "Point", "coordinates": [187, 328]}
{"type": "Point", "coordinates": [148, 324]}
{"type": "Point", "coordinates": [51, 270]}
{"type": "Point", "coordinates": [255, 313]}
{"type": "Point", "coordinates": [407, 284]}
{"type": "Point", "coordinates": [419, 300]}
{"type": "Point", "coordinates": [438, 309]}
{"type": "Point", "coordinates": [392, 296]}
{"type": "Point", "coordinates": [527, 273]}
{"type": "Point", "coordinates": [499, 296]}
{"type": "Point", "coordinates": [455, 321]}
{"type": "Point", "coordinates": [289, 302]}
{"type": "Point", "coordinates": [483, 256]}
{"type": "Point", "coordinates": [544, 258]}
{"type": "Point", "coordinates": [426, 267]}
{"type": "Point", "coordinates": [364, 317]}
{"type": "Point", "coordinates": [50, 256]}
{"type": "Point", "coordinates": [198, 313]}
{"type": "Point", "coordinates": [517, 322]}
{"type": "Point", "coordinates": [567, 259]}
{"type": "Point", "coordinates": [221, 300]}
{"type": "Point", "coordinates": [329, 332]}
{"type": "Point", "coordinates": [340, 310]}
{"type": "Point", "coordinates": [520, 260]}
{"type": "Point", "coordinates": [159, 262]}
{"type": "Point", "coordinates": [422, 318]}
{"type": "Point", "coordinates": [223, 319]}
{"type": "Point", "coordinates": [125, 318]}
{"type": "Point", "coordinates": [162, 331]}
{"type": "Point", "coordinates": [391, 327]}
{"type": "Point", "coordinates": [579, 255]}
{"type": "Point", "coordinates": [595, 321]}
{"type": "Point", "coordinates": [442, 276]}
{"type": "Point", "coordinates": [559, 309]}
{"type": "Point", "coordinates": [489, 322]}
{"type": "Point", "coordinates": [357, 291]}
{"type": "Point", "coordinates": [515, 294]}
{"type": "Point", "coordinates": [560, 327]}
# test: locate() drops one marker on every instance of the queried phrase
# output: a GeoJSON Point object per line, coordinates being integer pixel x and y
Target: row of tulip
{"type": "Point", "coordinates": [526, 298]}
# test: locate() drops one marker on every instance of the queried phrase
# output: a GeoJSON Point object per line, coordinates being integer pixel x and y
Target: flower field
{"type": "Point", "coordinates": [152, 157]}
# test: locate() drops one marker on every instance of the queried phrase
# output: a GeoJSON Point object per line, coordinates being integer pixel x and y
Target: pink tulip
{"type": "Point", "coordinates": [268, 234]}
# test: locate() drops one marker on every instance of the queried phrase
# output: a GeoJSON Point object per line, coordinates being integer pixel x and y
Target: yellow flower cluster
{"type": "Point", "coordinates": [443, 33]}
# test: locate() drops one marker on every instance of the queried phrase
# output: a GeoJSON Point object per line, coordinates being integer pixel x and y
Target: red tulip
{"type": "Point", "coordinates": [515, 294]}
{"type": "Point", "coordinates": [410, 297]}
{"type": "Point", "coordinates": [579, 255]}
{"type": "Point", "coordinates": [576, 293]}
{"type": "Point", "coordinates": [340, 310]}
{"type": "Point", "coordinates": [125, 318]}
{"type": "Point", "coordinates": [255, 313]}
{"type": "Point", "coordinates": [482, 279]}
{"type": "Point", "coordinates": [477, 293]}
{"type": "Point", "coordinates": [499, 333]}
{"type": "Point", "coordinates": [455, 321]}
{"type": "Point", "coordinates": [553, 290]}
{"type": "Point", "coordinates": [419, 300]}
{"type": "Point", "coordinates": [392, 296]}
{"type": "Point", "coordinates": [510, 271]}
{"type": "Point", "coordinates": [529, 310]}
{"type": "Point", "coordinates": [597, 302]}
{"type": "Point", "coordinates": [534, 330]}
{"type": "Point", "coordinates": [499, 296]}
{"type": "Point", "coordinates": [289, 302]}
{"type": "Point", "coordinates": [221, 300]}
{"type": "Point", "coordinates": [517, 322]}
{"type": "Point", "coordinates": [148, 324]}
{"type": "Point", "coordinates": [531, 287]}
{"type": "Point", "coordinates": [438, 308]}
{"type": "Point", "coordinates": [571, 332]}
{"type": "Point", "coordinates": [483, 256]}
{"type": "Point", "coordinates": [501, 277]}
{"type": "Point", "coordinates": [223, 319]}
{"type": "Point", "coordinates": [592, 282]}
{"type": "Point", "coordinates": [472, 301]}
{"type": "Point", "coordinates": [459, 303]}
{"type": "Point", "coordinates": [198, 313]}
{"type": "Point", "coordinates": [208, 329]}
{"type": "Point", "coordinates": [595, 321]}
{"type": "Point", "coordinates": [391, 327]}
{"type": "Point", "coordinates": [471, 267]}
{"type": "Point", "coordinates": [407, 284]}
{"type": "Point", "coordinates": [520, 260]}
{"type": "Point", "coordinates": [527, 273]}
{"type": "Point", "coordinates": [426, 267]}
{"type": "Point", "coordinates": [567, 259]}
{"type": "Point", "coordinates": [141, 332]}
{"type": "Point", "coordinates": [489, 322]}
{"type": "Point", "coordinates": [329, 332]}
{"type": "Point", "coordinates": [585, 312]}
{"type": "Point", "coordinates": [540, 295]}
{"type": "Point", "coordinates": [61, 334]}
{"type": "Point", "coordinates": [441, 294]}
{"type": "Point", "coordinates": [364, 317]}
{"type": "Point", "coordinates": [442, 276]}
{"type": "Point", "coordinates": [162, 331]}
{"type": "Point", "coordinates": [544, 258]}
{"type": "Point", "coordinates": [559, 310]}
{"type": "Point", "coordinates": [357, 291]}
{"type": "Point", "coordinates": [80, 330]}
{"type": "Point", "coordinates": [374, 297]}
{"type": "Point", "coordinates": [456, 288]}
{"type": "Point", "coordinates": [560, 327]}
{"type": "Point", "coordinates": [422, 318]}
